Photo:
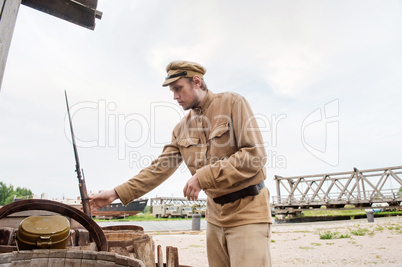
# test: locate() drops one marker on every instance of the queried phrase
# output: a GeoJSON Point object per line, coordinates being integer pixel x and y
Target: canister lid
{"type": "Point", "coordinates": [45, 224]}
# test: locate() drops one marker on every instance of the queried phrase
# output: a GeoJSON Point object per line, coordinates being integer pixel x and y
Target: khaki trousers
{"type": "Point", "coordinates": [240, 246]}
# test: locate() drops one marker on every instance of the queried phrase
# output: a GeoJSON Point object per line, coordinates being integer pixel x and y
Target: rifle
{"type": "Point", "coordinates": [81, 179]}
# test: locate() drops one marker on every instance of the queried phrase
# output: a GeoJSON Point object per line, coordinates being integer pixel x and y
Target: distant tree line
{"type": "Point", "coordinates": [8, 193]}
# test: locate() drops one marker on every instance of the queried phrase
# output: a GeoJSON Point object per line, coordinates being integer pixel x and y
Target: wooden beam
{"type": "Point", "coordinates": [8, 17]}
{"type": "Point", "coordinates": [160, 256]}
{"type": "Point", "coordinates": [80, 12]}
{"type": "Point", "coordinates": [172, 257]}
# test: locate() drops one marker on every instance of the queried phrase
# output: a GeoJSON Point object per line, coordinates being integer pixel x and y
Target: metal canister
{"type": "Point", "coordinates": [43, 232]}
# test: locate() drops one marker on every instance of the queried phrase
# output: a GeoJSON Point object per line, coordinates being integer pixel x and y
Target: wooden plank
{"type": "Point", "coordinates": [8, 17]}
{"type": "Point", "coordinates": [160, 256]}
{"type": "Point", "coordinates": [80, 12]}
{"type": "Point", "coordinates": [144, 250]}
{"type": "Point", "coordinates": [89, 3]}
{"type": "Point", "coordinates": [172, 257]}
{"type": "Point", "coordinates": [82, 237]}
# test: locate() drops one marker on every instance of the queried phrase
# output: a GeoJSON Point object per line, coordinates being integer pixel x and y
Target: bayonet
{"type": "Point", "coordinates": [81, 179]}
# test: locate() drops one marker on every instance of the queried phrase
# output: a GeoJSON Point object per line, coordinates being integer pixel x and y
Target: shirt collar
{"type": "Point", "coordinates": [204, 103]}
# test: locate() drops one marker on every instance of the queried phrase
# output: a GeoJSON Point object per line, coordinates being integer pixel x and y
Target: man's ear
{"type": "Point", "coordinates": [197, 81]}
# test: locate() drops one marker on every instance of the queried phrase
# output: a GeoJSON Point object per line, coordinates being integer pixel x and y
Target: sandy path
{"type": "Point", "coordinates": [300, 244]}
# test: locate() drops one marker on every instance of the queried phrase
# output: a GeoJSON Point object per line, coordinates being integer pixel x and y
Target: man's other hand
{"type": "Point", "coordinates": [192, 188]}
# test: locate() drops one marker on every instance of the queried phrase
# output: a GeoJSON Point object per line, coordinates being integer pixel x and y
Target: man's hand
{"type": "Point", "coordinates": [101, 200]}
{"type": "Point", "coordinates": [192, 188]}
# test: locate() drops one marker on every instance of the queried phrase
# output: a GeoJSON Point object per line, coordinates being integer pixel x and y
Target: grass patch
{"type": "Point", "coordinates": [391, 212]}
{"type": "Point", "coordinates": [360, 231]}
{"type": "Point", "coordinates": [342, 212]}
{"type": "Point", "coordinates": [306, 247]}
{"type": "Point", "coordinates": [326, 235]}
{"type": "Point", "coordinates": [344, 236]}
{"type": "Point", "coordinates": [316, 244]}
{"type": "Point", "coordinates": [333, 212]}
{"type": "Point", "coordinates": [334, 235]}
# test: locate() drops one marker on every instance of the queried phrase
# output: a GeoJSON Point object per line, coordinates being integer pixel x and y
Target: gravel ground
{"type": "Point", "coordinates": [362, 244]}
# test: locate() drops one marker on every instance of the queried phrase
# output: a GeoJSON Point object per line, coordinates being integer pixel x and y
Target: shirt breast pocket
{"type": "Point", "coordinates": [190, 150]}
{"type": "Point", "coordinates": [222, 143]}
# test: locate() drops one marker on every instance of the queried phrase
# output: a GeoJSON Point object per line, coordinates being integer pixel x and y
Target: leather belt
{"type": "Point", "coordinates": [232, 197]}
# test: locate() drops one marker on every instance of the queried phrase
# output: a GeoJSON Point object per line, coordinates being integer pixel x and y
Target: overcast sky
{"type": "Point", "coordinates": [323, 77]}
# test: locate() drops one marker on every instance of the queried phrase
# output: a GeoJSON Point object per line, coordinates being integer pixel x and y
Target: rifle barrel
{"type": "Point", "coordinates": [81, 179]}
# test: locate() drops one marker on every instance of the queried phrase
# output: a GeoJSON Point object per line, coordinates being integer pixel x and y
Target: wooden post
{"type": "Point", "coordinates": [160, 256]}
{"type": "Point", "coordinates": [8, 17]}
{"type": "Point", "coordinates": [172, 257]}
{"type": "Point", "coordinates": [144, 250]}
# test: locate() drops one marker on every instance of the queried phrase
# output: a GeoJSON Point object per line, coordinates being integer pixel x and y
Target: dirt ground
{"type": "Point", "coordinates": [353, 243]}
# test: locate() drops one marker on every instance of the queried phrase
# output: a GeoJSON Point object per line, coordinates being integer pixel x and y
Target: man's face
{"type": "Point", "coordinates": [185, 93]}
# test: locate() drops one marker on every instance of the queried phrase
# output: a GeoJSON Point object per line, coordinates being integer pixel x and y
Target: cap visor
{"type": "Point", "coordinates": [169, 81]}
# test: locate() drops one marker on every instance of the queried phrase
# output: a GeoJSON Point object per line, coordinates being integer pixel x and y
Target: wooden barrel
{"type": "Point", "coordinates": [64, 257]}
{"type": "Point", "coordinates": [118, 235]}
{"type": "Point", "coordinates": [130, 240]}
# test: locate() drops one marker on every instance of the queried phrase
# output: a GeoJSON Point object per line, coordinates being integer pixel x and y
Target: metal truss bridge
{"type": "Point", "coordinates": [177, 201]}
{"type": "Point", "coordinates": [360, 188]}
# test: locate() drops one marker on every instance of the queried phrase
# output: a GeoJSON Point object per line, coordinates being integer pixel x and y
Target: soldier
{"type": "Point", "coordinates": [221, 144]}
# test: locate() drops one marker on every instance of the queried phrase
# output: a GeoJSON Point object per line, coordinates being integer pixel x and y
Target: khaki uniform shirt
{"type": "Point", "coordinates": [220, 142]}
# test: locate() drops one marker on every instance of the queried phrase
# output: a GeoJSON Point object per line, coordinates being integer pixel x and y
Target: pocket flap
{"type": "Point", "coordinates": [219, 130]}
{"type": "Point", "coordinates": [189, 141]}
